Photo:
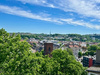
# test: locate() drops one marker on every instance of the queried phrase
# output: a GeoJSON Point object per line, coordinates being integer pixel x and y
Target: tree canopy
{"type": "Point", "coordinates": [93, 47]}
{"type": "Point", "coordinates": [80, 54]}
{"type": "Point", "coordinates": [16, 58]}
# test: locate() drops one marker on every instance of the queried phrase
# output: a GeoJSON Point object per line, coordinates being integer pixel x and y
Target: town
{"type": "Point", "coordinates": [77, 44]}
{"type": "Point", "coordinates": [83, 50]}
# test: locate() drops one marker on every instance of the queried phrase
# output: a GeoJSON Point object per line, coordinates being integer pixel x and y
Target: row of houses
{"type": "Point", "coordinates": [76, 46]}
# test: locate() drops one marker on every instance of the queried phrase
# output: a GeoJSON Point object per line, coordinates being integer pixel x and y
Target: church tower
{"type": "Point", "coordinates": [48, 48]}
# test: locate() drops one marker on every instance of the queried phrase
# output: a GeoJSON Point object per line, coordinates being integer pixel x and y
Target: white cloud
{"type": "Point", "coordinates": [45, 17]}
{"type": "Point", "coordinates": [87, 8]}
{"type": "Point", "coordinates": [81, 23]}
{"type": "Point", "coordinates": [38, 2]}
{"type": "Point", "coordinates": [93, 20]}
{"type": "Point", "coordinates": [97, 1]}
{"type": "Point", "coordinates": [19, 12]}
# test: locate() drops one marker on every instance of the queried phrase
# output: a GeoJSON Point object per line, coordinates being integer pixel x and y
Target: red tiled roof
{"type": "Point", "coordinates": [70, 46]}
{"type": "Point", "coordinates": [76, 46]}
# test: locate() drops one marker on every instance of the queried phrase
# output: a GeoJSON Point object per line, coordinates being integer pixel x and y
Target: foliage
{"type": "Point", "coordinates": [80, 54]}
{"type": "Point", "coordinates": [91, 50]}
{"type": "Point", "coordinates": [92, 53]}
{"type": "Point", "coordinates": [93, 47]}
{"type": "Point", "coordinates": [34, 44]}
{"type": "Point", "coordinates": [99, 44]}
{"type": "Point", "coordinates": [70, 51]}
{"type": "Point", "coordinates": [17, 59]}
{"type": "Point", "coordinates": [86, 53]}
{"type": "Point", "coordinates": [68, 64]}
{"type": "Point", "coordinates": [87, 45]}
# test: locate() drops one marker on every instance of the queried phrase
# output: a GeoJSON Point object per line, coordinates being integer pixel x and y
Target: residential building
{"type": "Point", "coordinates": [88, 61]}
{"type": "Point", "coordinates": [95, 69]}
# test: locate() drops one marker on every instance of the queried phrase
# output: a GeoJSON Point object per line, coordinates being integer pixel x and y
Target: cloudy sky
{"type": "Point", "coordinates": [57, 16]}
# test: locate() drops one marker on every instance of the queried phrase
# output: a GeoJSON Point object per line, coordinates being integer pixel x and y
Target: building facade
{"type": "Point", "coordinates": [95, 69]}
{"type": "Point", "coordinates": [88, 61]}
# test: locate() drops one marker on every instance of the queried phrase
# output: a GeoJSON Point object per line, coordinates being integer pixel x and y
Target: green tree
{"type": "Point", "coordinates": [68, 64]}
{"type": "Point", "coordinates": [80, 54]}
{"type": "Point", "coordinates": [70, 51]}
{"type": "Point", "coordinates": [92, 47]}
{"type": "Point", "coordinates": [13, 54]}
{"type": "Point", "coordinates": [87, 45]}
{"type": "Point", "coordinates": [16, 58]}
{"type": "Point", "coordinates": [86, 53]}
{"type": "Point", "coordinates": [92, 53]}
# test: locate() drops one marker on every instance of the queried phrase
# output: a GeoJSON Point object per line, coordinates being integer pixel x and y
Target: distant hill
{"type": "Point", "coordinates": [62, 37]}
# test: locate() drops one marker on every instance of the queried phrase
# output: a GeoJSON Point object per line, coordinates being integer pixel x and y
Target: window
{"type": "Point", "coordinates": [49, 49]}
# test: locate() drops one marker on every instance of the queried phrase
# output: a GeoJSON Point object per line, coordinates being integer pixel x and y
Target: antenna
{"type": "Point", "coordinates": [50, 32]}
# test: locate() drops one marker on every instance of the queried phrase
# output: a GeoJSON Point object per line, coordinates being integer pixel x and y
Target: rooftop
{"type": "Point", "coordinates": [93, 57]}
{"type": "Point", "coordinates": [95, 68]}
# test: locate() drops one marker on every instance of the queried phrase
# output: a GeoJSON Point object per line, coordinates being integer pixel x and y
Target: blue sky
{"type": "Point", "coordinates": [57, 16]}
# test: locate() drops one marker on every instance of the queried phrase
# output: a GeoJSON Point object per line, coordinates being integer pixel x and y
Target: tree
{"type": "Point", "coordinates": [92, 47]}
{"type": "Point", "coordinates": [99, 44]}
{"type": "Point", "coordinates": [86, 53]}
{"type": "Point", "coordinates": [16, 58]}
{"type": "Point", "coordinates": [13, 54]}
{"type": "Point", "coordinates": [68, 64]}
{"type": "Point", "coordinates": [87, 45]}
{"type": "Point", "coordinates": [34, 44]}
{"type": "Point", "coordinates": [80, 54]}
{"type": "Point", "coordinates": [91, 53]}
{"type": "Point", "coordinates": [70, 51]}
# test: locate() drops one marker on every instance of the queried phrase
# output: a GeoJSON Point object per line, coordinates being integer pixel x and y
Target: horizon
{"type": "Point", "coordinates": [44, 16]}
{"type": "Point", "coordinates": [54, 33]}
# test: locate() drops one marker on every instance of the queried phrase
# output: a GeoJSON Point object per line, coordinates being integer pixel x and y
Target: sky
{"type": "Point", "coordinates": [55, 16]}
